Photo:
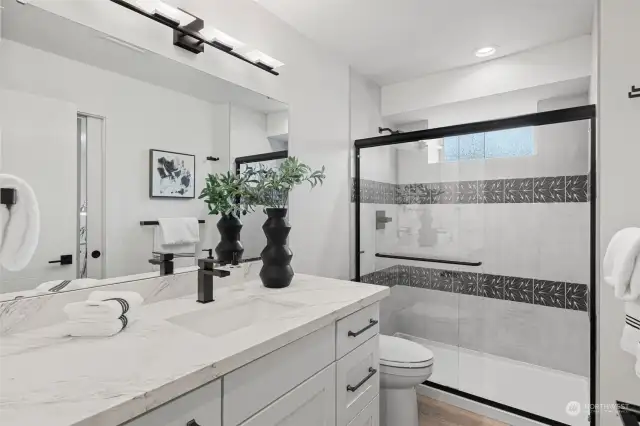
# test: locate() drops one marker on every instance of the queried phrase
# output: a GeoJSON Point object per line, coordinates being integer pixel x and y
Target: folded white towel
{"type": "Point", "coordinates": [56, 286]}
{"type": "Point", "coordinates": [21, 225]}
{"type": "Point", "coordinates": [100, 310]}
{"type": "Point", "coordinates": [96, 317]}
{"type": "Point", "coordinates": [133, 298]}
{"type": "Point", "coordinates": [179, 230]}
{"type": "Point", "coordinates": [620, 261]}
{"type": "Point", "coordinates": [97, 329]}
{"type": "Point", "coordinates": [130, 301]}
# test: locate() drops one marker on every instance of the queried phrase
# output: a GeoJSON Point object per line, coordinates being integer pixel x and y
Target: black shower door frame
{"type": "Point", "coordinates": [567, 115]}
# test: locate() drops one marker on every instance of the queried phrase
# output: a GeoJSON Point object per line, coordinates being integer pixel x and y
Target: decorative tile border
{"type": "Point", "coordinates": [556, 294]}
{"type": "Point", "coordinates": [557, 189]}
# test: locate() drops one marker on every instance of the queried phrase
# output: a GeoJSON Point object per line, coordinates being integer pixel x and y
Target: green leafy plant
{"type": "Point", "coordinates": [227, 193]}
{"type": "Point", "coordinates": [270, 187]}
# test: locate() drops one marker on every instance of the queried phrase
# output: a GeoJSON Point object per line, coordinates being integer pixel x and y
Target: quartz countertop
{"type": "Point", "coordinates": [177, 345]}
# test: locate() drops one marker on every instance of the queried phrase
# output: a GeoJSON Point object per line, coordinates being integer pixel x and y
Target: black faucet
{"type": "Point", "coordinates": [205, 279]}
{"type": "Point", "coordinates": [165, 260]}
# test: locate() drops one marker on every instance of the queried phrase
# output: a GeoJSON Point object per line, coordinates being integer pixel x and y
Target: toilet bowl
{"type": "Point", "coordinates": [403, 365]}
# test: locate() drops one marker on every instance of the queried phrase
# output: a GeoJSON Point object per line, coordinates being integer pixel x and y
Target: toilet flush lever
{"type": "Point", "coordinates": [372, 323]}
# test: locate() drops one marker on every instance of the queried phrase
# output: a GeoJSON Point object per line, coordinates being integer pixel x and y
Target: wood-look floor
{"type": "Point", "coordinates": [437, 413]}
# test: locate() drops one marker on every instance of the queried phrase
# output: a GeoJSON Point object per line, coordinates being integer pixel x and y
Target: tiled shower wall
{"type": "Point", "coordinates": [525, 219]}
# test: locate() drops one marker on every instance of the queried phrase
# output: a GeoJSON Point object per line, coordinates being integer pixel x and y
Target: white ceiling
{"type": "Point", "coordinates": [396, 40]}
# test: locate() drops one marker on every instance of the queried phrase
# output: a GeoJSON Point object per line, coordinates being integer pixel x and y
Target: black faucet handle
{"type": "Point", "coordinates": [163, 257]}
{"type": "Point", "coordinates": [220, 273]}
{"type": "Point", "coordinates": [210, 251]}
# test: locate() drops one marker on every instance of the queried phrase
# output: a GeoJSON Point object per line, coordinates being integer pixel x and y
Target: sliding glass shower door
{"type": "Point", "coordinates": [485, 238]}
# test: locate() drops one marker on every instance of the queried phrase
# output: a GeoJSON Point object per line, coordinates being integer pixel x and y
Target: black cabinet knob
{"type": "Point", "coordinates": [65, 259]}
{"type": "Point", "coordinates": [96, 254]}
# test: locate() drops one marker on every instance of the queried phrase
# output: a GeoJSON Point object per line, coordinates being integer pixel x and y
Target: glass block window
{"type": "Point", "coordinates": [498, 144]}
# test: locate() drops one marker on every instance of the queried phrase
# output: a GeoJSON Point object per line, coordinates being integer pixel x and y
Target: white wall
{"type": "Point", "coordinates": [365, 119]}
{"type": "Point", "coordinates": [619, 119]}
{"type": "Point", "coordinates": [248, 132]}
{"type": "Point", "coordinates": [278, 124]}
{"type": "Point", "coordinates": [248, 136]}
{"type": "Point", "coordinates": [313, 83]}
{"type": "Point", "coordinates": [139, 117]}
{"type": "Point", "coordinates": [565, 61]}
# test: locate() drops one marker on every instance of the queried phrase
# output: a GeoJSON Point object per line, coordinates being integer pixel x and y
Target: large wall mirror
{"type": "Point", "coordinates": [85, 119]}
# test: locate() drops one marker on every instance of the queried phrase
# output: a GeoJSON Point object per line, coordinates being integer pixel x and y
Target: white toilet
{"type": "Point", "coordinates": [403, 365]}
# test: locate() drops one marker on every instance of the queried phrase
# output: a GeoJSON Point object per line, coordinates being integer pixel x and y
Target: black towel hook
{"type": "Point", "coordinates": [634, 93]}
{"type": "Point", "coordinates": [8, 196]}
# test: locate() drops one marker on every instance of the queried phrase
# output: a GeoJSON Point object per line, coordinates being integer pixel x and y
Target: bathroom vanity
{"type": "Point", "coordinates": [303, 355]}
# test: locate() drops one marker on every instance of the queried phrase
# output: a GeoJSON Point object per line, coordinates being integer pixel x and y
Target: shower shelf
{"type": "Point", "coordinates": [427, 259]}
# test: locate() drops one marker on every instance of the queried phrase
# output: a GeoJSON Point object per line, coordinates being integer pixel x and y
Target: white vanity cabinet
{"type": "Point", "coordinates": [201, 407]}
{"type": "Point", "coordinates": [327, 378]}
{"type": "Point", "coordinates": [313, 403]}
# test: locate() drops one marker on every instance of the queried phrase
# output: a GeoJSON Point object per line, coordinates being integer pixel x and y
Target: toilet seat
{"type": "Point", "coordinates": [397, 356]}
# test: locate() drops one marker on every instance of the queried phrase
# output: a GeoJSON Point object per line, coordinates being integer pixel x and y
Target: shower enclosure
{"type": "Point", "coordinates": [485, 233]}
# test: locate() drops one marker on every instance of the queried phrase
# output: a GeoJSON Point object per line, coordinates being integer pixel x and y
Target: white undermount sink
{"type": "Point", "coordinates": [218, 320]}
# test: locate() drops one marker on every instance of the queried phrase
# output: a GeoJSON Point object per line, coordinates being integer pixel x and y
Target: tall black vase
{"type": "Point", "coordinates": [276, 269]}
{"type": "Point", "coordinates": [230, 249]}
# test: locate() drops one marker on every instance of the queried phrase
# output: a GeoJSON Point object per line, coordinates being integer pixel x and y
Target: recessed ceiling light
{"type": "Point", "coordinates": [485, 51]}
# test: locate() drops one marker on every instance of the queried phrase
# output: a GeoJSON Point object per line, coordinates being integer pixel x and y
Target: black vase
{"type": "Point", "coordinates": [230, 249]}
{"type": "Point", "coordinates": [276, 257]}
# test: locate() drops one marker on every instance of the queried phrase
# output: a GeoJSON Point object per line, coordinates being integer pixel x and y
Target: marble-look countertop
{"type": "Point", "coordinates": [177, 345]}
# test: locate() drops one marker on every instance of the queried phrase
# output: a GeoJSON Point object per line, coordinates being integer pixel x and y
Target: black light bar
{"type": "Point", "coordinates": [189, 39]}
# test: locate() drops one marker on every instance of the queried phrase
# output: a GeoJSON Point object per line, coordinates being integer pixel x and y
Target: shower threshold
{"type": "Point", "coordinates": [540, 391]}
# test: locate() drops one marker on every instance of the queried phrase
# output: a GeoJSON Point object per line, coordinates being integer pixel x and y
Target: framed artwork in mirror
{"type": "Point", "coordinates": [171, 174]}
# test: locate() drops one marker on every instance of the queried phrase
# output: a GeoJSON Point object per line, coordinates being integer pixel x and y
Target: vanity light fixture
{"type": "Point", "coordinates": [173, 16]}
{"type": "Point", "coordinates": [190, 33]}
{"type": "Point", "coordinates": [223, 39]}
{"type": "Point", "coordinates": [263, 59]}
{"type": "Point", "coordinates": [483, 52]}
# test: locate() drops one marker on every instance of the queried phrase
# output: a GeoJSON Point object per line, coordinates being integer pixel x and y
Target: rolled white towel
{"type": "Point", "coordinates": [620, 261]}
{"type": "Point", "coordinates": [97, 328]}
{"type": "Point", "coordinates": [21, 225]}
{"type": "Point", "coordinates": [631, 331]}
{"type": "Point", "coordinates": [56, 286]}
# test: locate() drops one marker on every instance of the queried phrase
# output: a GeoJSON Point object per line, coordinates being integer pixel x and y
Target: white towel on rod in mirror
{"type": "Point", "coordinates": [179, 230]}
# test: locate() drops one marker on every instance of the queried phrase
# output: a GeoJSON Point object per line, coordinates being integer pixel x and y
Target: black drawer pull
{"type": "Point", "coordinates": [372, 323]}
{"type": "Point", "coordinates": [192, 423]}
{"type": "Point", "coordinates": [372, 372]}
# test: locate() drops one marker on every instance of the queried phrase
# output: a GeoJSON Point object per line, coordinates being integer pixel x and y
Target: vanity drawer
{"type": "Point", "coordinates": [370, 416]}
{"type": "Point", "coordinates": [357, 380]}
{"type": "Point", "coordinates": [203, 405]}
{"type": "Point", "coordinates": [311, 403]}
{"type": "Point", "coordinates": [249, 389]}
{"type": "Point", "coordinates": [357, 328]}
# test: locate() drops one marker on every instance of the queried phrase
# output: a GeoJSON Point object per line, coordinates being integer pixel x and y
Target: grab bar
{"type": "Point", "coordinates": [427, 259]}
